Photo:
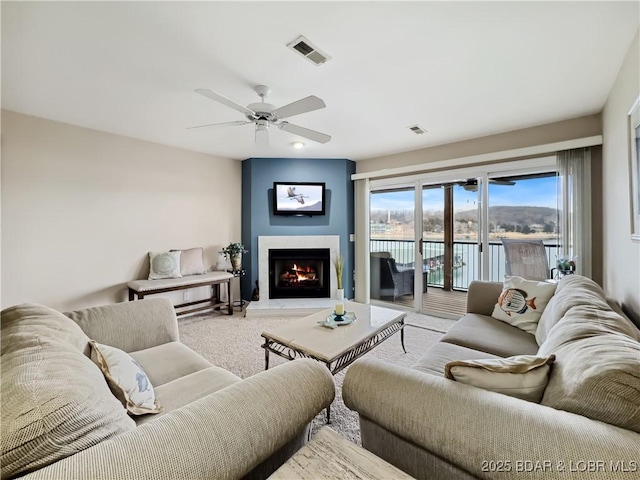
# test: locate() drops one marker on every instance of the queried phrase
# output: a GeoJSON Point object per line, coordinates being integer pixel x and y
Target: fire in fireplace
{"type": "Point", "coordinates": [299, 276]}
{"type": "Point", "coordinates": [299, 273]}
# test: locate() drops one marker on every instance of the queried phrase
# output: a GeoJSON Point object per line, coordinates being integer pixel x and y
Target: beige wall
{"type": "Point", "coordinates": [553, 132]}
{"type": "Point", "coordinates": [81, 209]}
{"type": "Point", "coordinates": [621, 255]}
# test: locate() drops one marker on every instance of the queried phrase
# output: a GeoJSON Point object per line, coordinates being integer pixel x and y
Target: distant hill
{"type": "Point", "coordinates": [498, 215]}
{"type": "Point", "coordinates": [513, 215]}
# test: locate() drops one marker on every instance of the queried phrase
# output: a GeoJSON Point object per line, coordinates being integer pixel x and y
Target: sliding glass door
{"type": "Point", "coordinates": [392, 252]}
{"type": "Point", "coordinates": [430, 236]}
{"type": "Point", "coordinates": [431, 239]}
{"type": "Point", "coordinates": [451, 234]}
{"type": "Point", "coordinates": [522, 207]}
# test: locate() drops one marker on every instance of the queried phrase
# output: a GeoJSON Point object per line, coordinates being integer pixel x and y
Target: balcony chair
{"type": "Point", "coordinates": [388, 281]}
{"type": "Point", "coordinates": [526, 259]}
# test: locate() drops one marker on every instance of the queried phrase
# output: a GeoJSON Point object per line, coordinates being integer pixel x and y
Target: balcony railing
{"type": "Point", "coordinates": [466, 258]}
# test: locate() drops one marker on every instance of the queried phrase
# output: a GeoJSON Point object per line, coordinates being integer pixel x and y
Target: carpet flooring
{"type": "Point", "coordinates": [234, 343]}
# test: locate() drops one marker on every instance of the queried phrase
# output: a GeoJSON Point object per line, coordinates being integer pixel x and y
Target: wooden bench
{"type": "Point", "coordinates": [142, 288]}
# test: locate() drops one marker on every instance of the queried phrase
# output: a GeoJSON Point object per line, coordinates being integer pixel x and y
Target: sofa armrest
{"type": "Point", "coordinates": [488, 434]}
{"type": "Point", "coordinates": [221, 436]}
{"type": "Point", "coordinates": [130, 326]}
{"type": "Point", "coordinates": [482, 296]}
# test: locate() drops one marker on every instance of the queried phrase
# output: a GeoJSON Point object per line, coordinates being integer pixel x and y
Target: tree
{"type": "Point", "coordinates": [526, 229]}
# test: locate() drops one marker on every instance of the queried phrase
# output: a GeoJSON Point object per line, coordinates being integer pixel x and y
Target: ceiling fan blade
{"type": "Point", "coordinates": [224, 100]}
{"type": "Point", "coordinates": [303, 105]}
{"type": "Point", "coordinates": [305, 132]}
{"type": "Point", "coordinates": [223, 124]}
{"type": "Point", "coordinates": [498, 181]}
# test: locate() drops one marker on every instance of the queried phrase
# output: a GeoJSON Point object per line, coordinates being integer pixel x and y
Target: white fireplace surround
{"type": "Point", "coordinates": [266, 243]}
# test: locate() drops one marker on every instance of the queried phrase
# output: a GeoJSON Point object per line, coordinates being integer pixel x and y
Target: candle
{"type": "Point", "coordinates": [339, 308]}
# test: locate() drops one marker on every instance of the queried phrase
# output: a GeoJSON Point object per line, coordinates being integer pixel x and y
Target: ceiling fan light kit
{"type": "Point", "coordinates": [264, 114]}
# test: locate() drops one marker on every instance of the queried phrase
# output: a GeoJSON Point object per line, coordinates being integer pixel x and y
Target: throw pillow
{"type": "Point", "coordinates": [522, 302]}
{"type": "Point", "coordinates": [191, 261]}
{"type": "Point", "coordinates": [164, 265]}
{"type": "Point", "coordinates": [125, 377]}
{"type": "Point", "coordinates": [522, 376]}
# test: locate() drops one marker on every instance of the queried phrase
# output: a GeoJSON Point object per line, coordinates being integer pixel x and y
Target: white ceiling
{"type": "Point", "coordinates": [460, 70]}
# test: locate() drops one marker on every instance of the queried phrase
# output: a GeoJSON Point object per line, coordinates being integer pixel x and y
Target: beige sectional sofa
{"type": "Point", "coordinates": [586, 426]}
{"type": "Point", "coordinates": [60, 419]}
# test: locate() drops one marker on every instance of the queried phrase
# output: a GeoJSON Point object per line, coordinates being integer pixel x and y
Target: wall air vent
{"type": "Point", "coordinates": [417, 129]}
{"type": "Point", "coordinates": [304, 47]}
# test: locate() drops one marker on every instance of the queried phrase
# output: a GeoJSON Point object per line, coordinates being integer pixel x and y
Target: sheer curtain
{"type": "Point", "coordinates": [361, 279]}
{"type": "Point", "coordinates": [574, 198]}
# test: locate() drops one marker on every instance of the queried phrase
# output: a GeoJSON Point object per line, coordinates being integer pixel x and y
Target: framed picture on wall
{"type": "Point", "coordinates": [634, 168]}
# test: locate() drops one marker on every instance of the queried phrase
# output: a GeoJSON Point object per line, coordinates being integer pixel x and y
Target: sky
{"type": "Point", "coordinates": [537, 192]}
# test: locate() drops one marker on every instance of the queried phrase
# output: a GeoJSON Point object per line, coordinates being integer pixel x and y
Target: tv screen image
{"type": "Point", "coordinates": [294, 198]}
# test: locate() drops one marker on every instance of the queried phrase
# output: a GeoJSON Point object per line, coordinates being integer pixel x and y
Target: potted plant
{"type": "Point", "coordinates": [233, 252]}
{"type": "Point", "coordinates": [566, 265]}
{"type": "Point", "coordinates": [338, 264]}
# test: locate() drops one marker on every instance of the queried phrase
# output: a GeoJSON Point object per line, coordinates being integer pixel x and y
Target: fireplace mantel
{"type": "Point", "coordinates": [266, 243]}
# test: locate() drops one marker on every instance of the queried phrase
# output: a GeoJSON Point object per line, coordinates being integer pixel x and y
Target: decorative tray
{"type": "Point", "coordinates": [331, 322]}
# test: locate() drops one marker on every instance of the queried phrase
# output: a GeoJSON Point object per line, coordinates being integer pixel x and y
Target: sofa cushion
{"type": "Point", "coordinates": [522, 376]}
{"type": "Point", "coordinates": [441, 353]}
{"type": "Point", "coordinates": [572, 291]}
{"type": "Point", "coordinates": [187, 389]}
{"type": "Point", "coordinates": [30, 321]}
{"type": "Point", "coordinates": [55, 400]}
{"type": "Point", "coordinates": [130, 326]}
{"type": "Point", "coordinates": [522, 302]}
{"type": "Point", "coordinates": [487, 334]}
{"type": "Point", "coordinates": [169, 361]}
{"type": "Point", "coordinates": [126, 378]}
{"type": "Point", "coordinates": [597, 368]}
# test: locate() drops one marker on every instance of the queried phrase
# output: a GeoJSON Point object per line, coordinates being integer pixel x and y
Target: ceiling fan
{"type": "Point", "coordinates": [471, 184]}
{"type": "Point", "coordinates": [264, 115]}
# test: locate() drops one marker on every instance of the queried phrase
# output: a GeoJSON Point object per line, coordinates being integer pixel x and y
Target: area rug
{"type": "Point", "coordinates": [234, 343]}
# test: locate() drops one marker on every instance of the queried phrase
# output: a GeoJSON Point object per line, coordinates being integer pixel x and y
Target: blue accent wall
{"type": "Point", "coordinates": [258, 175]}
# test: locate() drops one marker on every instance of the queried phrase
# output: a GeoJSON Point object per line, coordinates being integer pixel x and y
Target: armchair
{"type": "Point", "coordinates": [526, 258]}
{"type": "Point", "coordinates": [387, 279]}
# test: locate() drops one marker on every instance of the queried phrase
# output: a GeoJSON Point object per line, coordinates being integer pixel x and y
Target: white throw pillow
{"type": "Point", "coordinates": [522, 376]}
{"type": "Point", "coordinates": [191, 261]}
{"type": "Point", "coordinates": [164, 265]}
{"type": "Point", "coordinates": [522, 302]}
{"type": "Point", "coordinates": [125, 377]}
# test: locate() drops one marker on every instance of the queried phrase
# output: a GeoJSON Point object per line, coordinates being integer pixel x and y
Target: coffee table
{"type": "Point", "coordinates": [336, 348]}
{"type": "Point", "coordinates": [330, 455]}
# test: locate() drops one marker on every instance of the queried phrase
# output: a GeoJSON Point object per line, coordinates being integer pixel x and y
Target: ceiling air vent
{"type": "Point", "coordinates": [417, 129]}
{"type": "Point", "coordinates": [308, 51]}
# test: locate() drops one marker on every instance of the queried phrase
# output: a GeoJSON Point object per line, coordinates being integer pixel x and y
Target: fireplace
{"type": "Point", "coordinates": [299, 273]}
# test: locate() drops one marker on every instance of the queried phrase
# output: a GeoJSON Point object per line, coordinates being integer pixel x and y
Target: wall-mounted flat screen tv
{"type": "Point", "coordinates": [298, 198]}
